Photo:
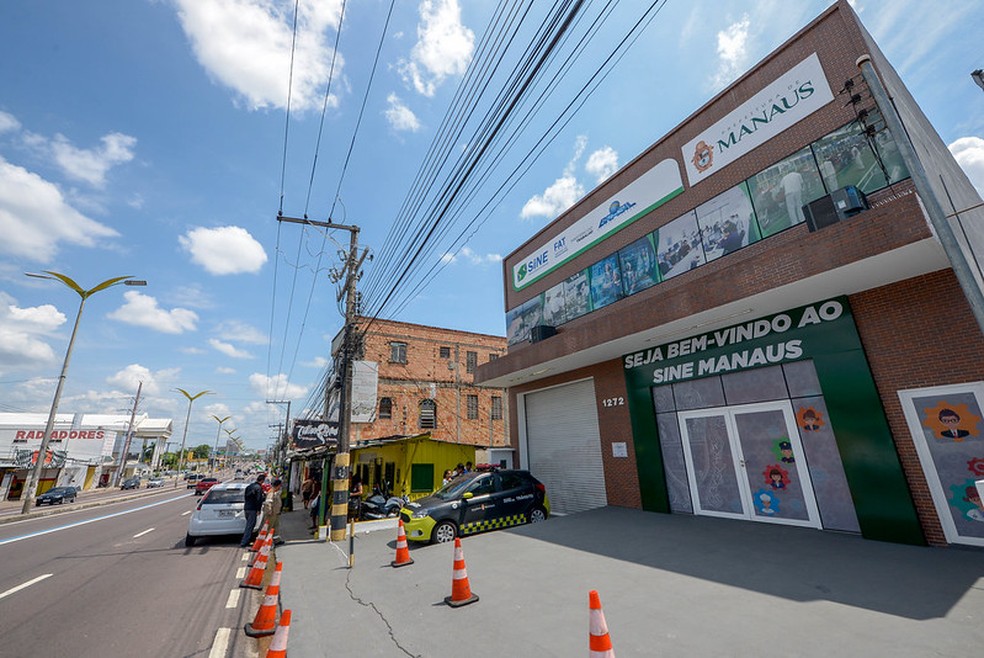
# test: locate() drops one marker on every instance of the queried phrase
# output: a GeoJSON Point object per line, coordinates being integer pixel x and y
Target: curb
{"type": "Point", "coordinates": [52, 510]}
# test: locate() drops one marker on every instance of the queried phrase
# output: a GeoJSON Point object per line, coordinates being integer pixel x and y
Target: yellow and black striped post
{"type": "Point", "coordinates": [339, 496]}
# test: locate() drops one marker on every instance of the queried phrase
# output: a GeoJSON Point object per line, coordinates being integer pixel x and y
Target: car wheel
{"type": "Point", "coordinates": [443, 532]}
{"type": "Point", "coordinates": [37, 503]}
{"type": "Point", "coordinates": [189, 540]}
{"type": "Point", "coordinates": [537, 515]}
{"type": "Point", "coordinates": [61, 502]}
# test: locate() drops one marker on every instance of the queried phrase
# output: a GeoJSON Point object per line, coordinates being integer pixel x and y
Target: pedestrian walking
{"type": "Point", "coordinates": [272, 507]}
{"type": "Point", "coordinates": [307, 491]}
{"type": "Point", "coordinates": [252, 505]}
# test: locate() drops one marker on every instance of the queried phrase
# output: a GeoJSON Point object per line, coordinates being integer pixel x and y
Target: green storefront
{"type": "Point", "coordinates": [775, 420]}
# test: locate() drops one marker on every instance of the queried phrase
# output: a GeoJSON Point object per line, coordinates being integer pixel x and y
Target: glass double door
{"type": "Point", "coordinates": [747, 462]}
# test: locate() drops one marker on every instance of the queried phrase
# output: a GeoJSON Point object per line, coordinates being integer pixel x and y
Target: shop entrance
{"type": "Point", "coordinates": [747, 462]}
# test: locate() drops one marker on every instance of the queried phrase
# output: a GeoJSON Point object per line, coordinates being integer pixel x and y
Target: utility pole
{"type": "Point", "coordinates": [129, 437]}
{"type": "Point", "coordinates": [340, 477]}
{"type": "Point", "coordinates": [280, 447]}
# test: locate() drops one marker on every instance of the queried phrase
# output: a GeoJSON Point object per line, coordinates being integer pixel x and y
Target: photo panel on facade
{"type": "Point", "coordinates": [780, 192]}
{"type": "Point", "coordinates": [554, 306]}
{"type": "Point", "coordinates": [577, 295]}
{"type": "Point", "coordinates": [845, 158]}
{"type": "Point", "coordinates": [521, 320]}
{"type": "Point", "coordinates": [606, 282]}
{"type": "Point", "coordinates": [638, 262]}
{"type": "Point", "coordinates": [887, 149]}
{"type": "Point", "coordinates": [727, 223]}
{"type": "Point", "coordinates": [678, 247]}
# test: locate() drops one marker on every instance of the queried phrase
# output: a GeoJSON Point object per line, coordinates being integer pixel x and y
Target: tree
{"type": "Point", "coordinates": [202, 451]}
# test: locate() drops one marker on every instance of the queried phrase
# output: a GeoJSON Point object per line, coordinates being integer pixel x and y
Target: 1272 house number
{"type": "Point", "coordinates": [613, 402]}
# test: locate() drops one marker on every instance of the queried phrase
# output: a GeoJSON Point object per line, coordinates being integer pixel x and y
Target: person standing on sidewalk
{"type": "Point", "coordinates": [272, 507]}
{"type": "Point", "coordinates": [252, 506]}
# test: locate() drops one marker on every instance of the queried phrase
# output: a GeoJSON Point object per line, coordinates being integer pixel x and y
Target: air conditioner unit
{"type": "Point", "coordinates": [542, 332]}
{"type": "Point", "coordinates": [849, 201]}
{"type": "Point", "coordinates": [820, 213]}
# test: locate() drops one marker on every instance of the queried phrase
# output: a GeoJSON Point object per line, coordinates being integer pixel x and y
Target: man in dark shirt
{"type": "Point", "coordinates": [252, 507]}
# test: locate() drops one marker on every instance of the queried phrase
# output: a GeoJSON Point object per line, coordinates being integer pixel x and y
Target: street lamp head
{"type": "Point", "coordinates": [978, 77]}
{"type": "Point", "coordinates": [134, 282]}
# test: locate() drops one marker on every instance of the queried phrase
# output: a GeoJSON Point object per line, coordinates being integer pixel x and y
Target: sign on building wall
{"type": "Point", "coordinates": [641, 196]}
{"type": "Point", "coordinates": [83, 445]}
{"type": "Point", "coordinates": [365, 377]}
{"type": "Point", "coordinates": [791, 98]}
{"type": "Point", "coordinates": [314, 433]}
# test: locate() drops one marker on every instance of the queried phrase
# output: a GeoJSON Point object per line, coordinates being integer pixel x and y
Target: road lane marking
{"type": "Point", "coordinates": [245, 557]}
{"type": "Point", "coordinates": [81, 523]}
{"type": "Point", "coordinates": [186, 513]}
{"type": "Point", "coordinates": [141, 534]}
{"type": "Point", "coordinates": [241, 573]}
{"type": "Point", "coordinates": [233, 601]}
{"type": "Point", "coordinates": [221, 644]}
{"type": "Point", "coordinates": [14, 590]}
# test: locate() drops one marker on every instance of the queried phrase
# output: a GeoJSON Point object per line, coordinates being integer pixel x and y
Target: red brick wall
{"type": "Point", "coordinates": [918, 333]}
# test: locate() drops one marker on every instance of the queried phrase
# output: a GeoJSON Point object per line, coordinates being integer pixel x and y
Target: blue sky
{"type": "Point", "coordinates": [147, 138]}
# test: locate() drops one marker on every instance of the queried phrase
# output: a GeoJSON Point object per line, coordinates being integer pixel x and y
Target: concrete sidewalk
{"type": "Point", "coordinates": [670, 586]}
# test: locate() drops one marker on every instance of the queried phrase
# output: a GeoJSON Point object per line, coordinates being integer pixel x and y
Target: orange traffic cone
{"type": "Point", "coordinates": [265, 622]}
{"type": "Point", "coordinates": [254, 579]}
{"type": "Point", "coordinates": [264, 551]}
{"type": "Point", "coordinates": [461, 593]}
{"type": "Point", "coordinates": [599, 643]}
{"type": "Point", "coordinates": [402, 550]}
{"type": "Point", "coordinates": [260, 538]}
{"type": "Point", "coordinates": [278, 647]}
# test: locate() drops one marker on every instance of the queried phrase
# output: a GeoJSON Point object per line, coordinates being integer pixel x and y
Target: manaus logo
{"type": "Point", "coordinates": [703, 156]}
{"type": "Point", "coordinates": [522, 271]}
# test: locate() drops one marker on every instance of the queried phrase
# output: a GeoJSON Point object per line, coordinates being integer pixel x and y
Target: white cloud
{"type": "Point", "coordinates": [444, 46]}
{"type": "Point", "coordinates": [246, 46]}
{"type": "Point", "coordinates": [602, 163]}
{"type": "Point", "coordinates": [130, 377]}
{"type": "Point", "coordinates": [474, 258]}
{"type": "Point", "coordinates": [276, 387]}
{"type": "Point", "coordinates": [400, 116]}
{"type": "Point", "coordinates": [241, 332]}
{"type": "Point", "coordinates": [969, 153]}
{"type": "Point", "coordinates": [35, 217]}
{"type": "Point", "coordinates": [142, 311]}
{"type": "Point", "coordinates": [317, 362]}
{"type": "Point", "coordinates": [560, 195]}
{"type": "Point", "coordinates": [8, 122]}
{"type": "Point", "coordinates": [732, 50]}
{"type": "Point", "coordinates": [192, 350]}
{"type": "Point", "coordinates": [224, 250]}
{"type": "Point", "coordinates": [228, 349]}
{"type": "Point", "coordinates": [22, 331]}
{"type": "Point", "coordinates": [91, 165]}
{"type": "Point", "coordinates": [222, 370]}
{"type": "Point", "coordinates": [192, 296]}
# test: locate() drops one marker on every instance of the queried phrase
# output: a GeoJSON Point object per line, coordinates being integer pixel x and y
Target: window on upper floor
{"type": "Point", "coordinates": [385, 407]}
{"type": "Point", "coordinates": [493, 357]}
{"type": "Point", "coordinates": [445, 352]}
{"type": "Point", "coordinates": [398, 352]}
{"type": "Point", "coordinates": [471, 361]}
{"type": "Point", "coordinates": [496, 407]}
{"type": "Point", "coordinates": [428, 415]}
{"type": "Point", "coordinates": [472, 407]}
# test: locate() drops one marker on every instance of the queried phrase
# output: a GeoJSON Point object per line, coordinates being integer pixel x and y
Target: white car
{"type": "Point", "coordinates": [220, 512]}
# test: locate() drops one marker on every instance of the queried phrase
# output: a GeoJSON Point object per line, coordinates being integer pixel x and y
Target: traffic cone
{"type": "Point", "coordinates": [265, 622]}
{"type": "Point", "coordinates": [254, 579]}
{"type": "Point", "coordinates": [461, 593]}
{"type": "Point", "coordinates": [402, 550]}
{"type": "Point", "coordinates": [599, 643]}
{"type": "Point", "coordinates": [278, 647]}
{"type": "Point", "coordinates": [260, 538]}
{"type": "Point", "coordinates": [264, 551]}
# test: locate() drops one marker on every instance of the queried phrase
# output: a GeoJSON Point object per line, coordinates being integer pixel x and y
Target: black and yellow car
{"type": "Point", "coordinates": [475, 502]}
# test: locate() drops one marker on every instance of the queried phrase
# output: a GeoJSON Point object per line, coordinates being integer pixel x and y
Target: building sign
{"type": "Point", "coordinates": [794, 96]}
{"type": "Point", "coordinates": [314, 433]}
{"type": "Point", "coordinates": [365, 377]}
{"type": "Point", "coordinates": [58, 435]}
{"type": "Point", "coordinates": [777, 339]}
{"type": "Point", "coordinates": [641, 196]}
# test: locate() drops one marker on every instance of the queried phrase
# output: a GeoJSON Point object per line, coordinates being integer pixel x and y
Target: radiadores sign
{"type": "Point", "coordinates": [794, 96]}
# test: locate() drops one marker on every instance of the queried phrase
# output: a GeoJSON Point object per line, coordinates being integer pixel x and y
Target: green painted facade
{"type": "Point", "coordinates": [825, 332]}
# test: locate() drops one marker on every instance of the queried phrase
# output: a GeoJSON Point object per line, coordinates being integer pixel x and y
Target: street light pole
{"type": "Point", "coordinates": [184, 437]}
{"type": "Point", "coordinates": [218, 431]}
{"type": "Point", "coordinates": [34, 475]}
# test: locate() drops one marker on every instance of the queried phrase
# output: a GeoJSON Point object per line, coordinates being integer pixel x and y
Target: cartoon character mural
{"type": "Point", "coordinates": [967, 499]}
{"type": "Point", "coordinates": [810, 419]}
{"type": "Point", "coordinates": [783, 450]}
{"type": "Point", "coordinates": [776, 476]}
{"type": "Point", "coordinates": [951, 421]}
{"type": "Point", "coordinates": [766, 502]}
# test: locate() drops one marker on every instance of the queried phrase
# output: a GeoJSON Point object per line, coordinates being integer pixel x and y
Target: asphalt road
{"type": "Point", "coordinates": [117, 580]}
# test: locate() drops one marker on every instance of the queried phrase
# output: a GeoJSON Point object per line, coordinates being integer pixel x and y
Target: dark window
{"type": "Point", "coordinates": [483, 485]}
{"type": "Point", "coordinates": [496, 407]}
{"type": "Point", "coordinates": [398, 352]}
{"type": "Point", "coordinates": [513, 481]}
{"type": "Point", "coordinates": [471, 361]}
{"type": "Point", "coordinates": [493, 357]}
{"type": "Point", "coordinates": [472, 407]}
{"type": "Point", "coordinates": [445, 352]}
{"type": "Point", "coordinates": [428, 414]}
{"type": "Point", "coordinates": [385, 407]}
{"type": "Point", "coordinates": [421, 477]}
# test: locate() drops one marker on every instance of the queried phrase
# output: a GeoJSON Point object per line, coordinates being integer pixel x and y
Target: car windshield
{"type": "Point", "coordinates": [59, 491]}
{"type": "Point", "coordinates": [224, 496]}
{"type": "Point", "coordinates": [455, 487]}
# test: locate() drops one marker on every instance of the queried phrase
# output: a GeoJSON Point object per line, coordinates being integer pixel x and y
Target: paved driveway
{"type": "Point", "coordinates": [670, 586]}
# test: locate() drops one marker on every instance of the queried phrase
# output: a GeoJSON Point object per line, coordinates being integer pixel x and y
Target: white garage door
{"type": "Point", "coordinates": [564, 446]}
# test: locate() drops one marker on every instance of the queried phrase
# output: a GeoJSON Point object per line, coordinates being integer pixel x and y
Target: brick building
{"type": "Point", "coordinates": [426, 383]}
{"type": "Point", "coordinates": [726, 327]}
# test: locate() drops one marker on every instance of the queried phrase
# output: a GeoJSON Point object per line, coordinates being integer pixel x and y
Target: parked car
{"type": "Point", "coordinates": [204, 485]}
{"type": "Point", "coordinates": [475, 502]}
{"type": "Point", "coordinates": [192, 479]}
{"type": "Point", "coordinates": [220, 512]}
{"type": "Point", "coordinates": [57, 495]}
{"type": "Point", "coordinates": [130, 483]}
{"type": "Point", "coordinates": [154, 483]}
